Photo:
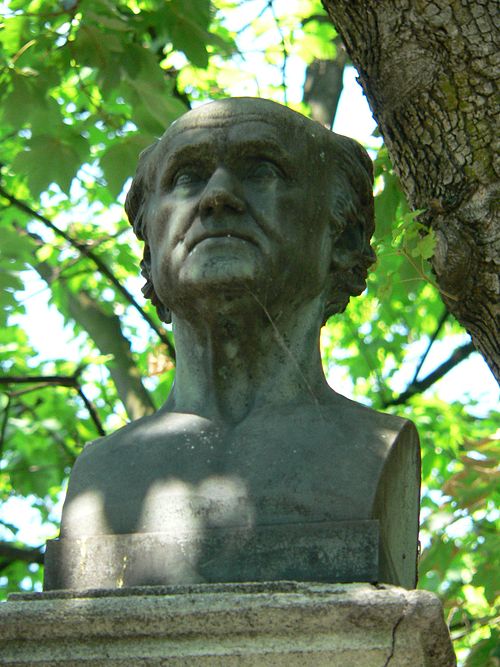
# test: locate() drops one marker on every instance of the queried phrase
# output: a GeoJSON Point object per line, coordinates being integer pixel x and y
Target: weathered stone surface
{"type": "Point", "coordinates": [332, 552]}
{"type": "Point", "coordinates": [281, 623]}
{"type": "Point", "coordinates": [257, 225]}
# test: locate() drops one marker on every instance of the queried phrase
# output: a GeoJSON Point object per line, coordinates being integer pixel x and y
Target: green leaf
{"type": "Point", "coordinates": [487, 652]}
{"type": "Point", "coordinates": [15, 247]}
{"type": "Point", "coordinates": [116, 22]}
{"type": "Point", "coordinates": [51, 159]}
{"type": "Point", "coordinates": [156, 109]}
{"type": "Point", "coordinates": [120, 160]}
{"type": "Point", "coordinates": [10, 281]}
{"type": "Point", "coordinates": [188, 29]}
{"type": "Point", "coordinates": [425, 246]}
{"type": "Point", "coordinates": [90, 47]}
{"type": "Point", "coordinates": [386, 205]}
{"type": "Point", "coordinates": [18, 99]}
{"type": "Point", "coordinates": [12, 32]}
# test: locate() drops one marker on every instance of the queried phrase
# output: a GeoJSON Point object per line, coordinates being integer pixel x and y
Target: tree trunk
{"type": "Point", "coordinates": [429, 70]}
{"type": "Point", "coordinates": [105, 331]}
{"type": "Point", "coordinates": [323, 85]}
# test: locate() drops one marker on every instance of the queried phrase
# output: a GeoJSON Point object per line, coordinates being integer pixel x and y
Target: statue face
{"type": "Point", "coordinates": [237, 207]}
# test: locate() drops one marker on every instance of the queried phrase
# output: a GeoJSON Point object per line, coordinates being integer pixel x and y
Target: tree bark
{"type": "Point", "coordinates": [429, 70]}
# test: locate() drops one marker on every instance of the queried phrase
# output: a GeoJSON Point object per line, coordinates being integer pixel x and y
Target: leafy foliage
{"type": "Point", "coordinates": [86, 85]}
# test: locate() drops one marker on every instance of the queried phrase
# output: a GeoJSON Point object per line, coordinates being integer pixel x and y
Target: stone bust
{"type": "Point", "coordinates": [257, 225]}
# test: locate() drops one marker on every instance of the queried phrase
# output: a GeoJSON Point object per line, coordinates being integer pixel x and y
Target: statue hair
{"type": "Point", "coordinates": [348, 181]}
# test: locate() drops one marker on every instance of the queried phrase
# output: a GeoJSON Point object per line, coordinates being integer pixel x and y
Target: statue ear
{"type": "Point", "coordinates": [346, 248]}
{"type": "Point", "coordinates": [347, 275]}
{"type": "Point", "coordinates": [164, 313]}
{"type": "Point", "coordinates": [149, 290]}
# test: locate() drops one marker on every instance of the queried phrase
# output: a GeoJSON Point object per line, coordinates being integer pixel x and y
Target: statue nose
{"type": "Point", "coordinates": [220, 193]}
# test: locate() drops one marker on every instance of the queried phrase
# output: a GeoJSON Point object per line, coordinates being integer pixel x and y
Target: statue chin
{"type": "Point", "coordinates": [218, 273]}
{"type": "Point", "coordinates": [217, 259]}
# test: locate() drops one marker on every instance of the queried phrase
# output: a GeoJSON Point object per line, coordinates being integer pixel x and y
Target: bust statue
{"type": "Point", "coordinates": [257, 225]}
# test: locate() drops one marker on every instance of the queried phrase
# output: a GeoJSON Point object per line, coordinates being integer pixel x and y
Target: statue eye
{"type": "Point", "coordinates": [264, 169]}
{"type": "Point", "coordinates": [185, 178]}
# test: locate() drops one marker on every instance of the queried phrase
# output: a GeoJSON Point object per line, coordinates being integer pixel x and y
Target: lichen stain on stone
{"type": "Point", "coordinates": [120, 580]}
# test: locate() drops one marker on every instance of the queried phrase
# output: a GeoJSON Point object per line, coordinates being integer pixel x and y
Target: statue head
{"type": "Point", "coordinates": [336, 178]}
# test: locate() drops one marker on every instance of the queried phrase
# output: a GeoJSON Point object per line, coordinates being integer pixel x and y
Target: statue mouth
{"type": "Point", "coordinates": [220, 236]}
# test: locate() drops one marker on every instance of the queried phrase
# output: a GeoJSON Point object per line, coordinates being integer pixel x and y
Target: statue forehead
{"type": "Point", "coordinates": [227, 114]}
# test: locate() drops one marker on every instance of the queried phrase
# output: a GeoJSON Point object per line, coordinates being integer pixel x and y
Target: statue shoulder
{"type": "Point", "coordinates": [123, 435]}
{"type": "Point", "coordinates": [362, 418]}
{"type": "Point", "coordinates": [159, 428]}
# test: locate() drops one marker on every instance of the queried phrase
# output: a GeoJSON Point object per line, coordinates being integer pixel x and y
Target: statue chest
{"type": "Point", "coordinates": [278, 501]}
{"type": "Point", "coordinates": [286, 472]}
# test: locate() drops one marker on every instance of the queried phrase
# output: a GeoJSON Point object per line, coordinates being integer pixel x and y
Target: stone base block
{"type": "Point", "coordinates": [332, 552]}
{"type": "Point", "coordinates": [280, 623]}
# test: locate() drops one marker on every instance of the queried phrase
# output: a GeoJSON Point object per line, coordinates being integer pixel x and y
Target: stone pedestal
{"type": "Point", "coordinates": [282, 623]}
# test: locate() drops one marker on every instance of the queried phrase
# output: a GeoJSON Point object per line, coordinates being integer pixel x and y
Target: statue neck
{"type": "Point", "coordinates": [237, 363]}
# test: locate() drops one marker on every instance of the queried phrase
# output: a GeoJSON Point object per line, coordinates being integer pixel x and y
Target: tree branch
{"type": "Point", "coordinates": [22, 408]}
{"type": "Point", "coordinates": [87, 252]}
{"type": "Point", "coordinates": [283, 49]}
{"type": "Point", "coordinates": [60, 380]}
{"type": "Point", "coordinates": [10, 553]}
{"type": "Point", "coordinates": [472, 624]}
{"type": "Point", "coordinates": [432, 339]}
{"type": "Point", "coordinates": [3, 428]}
{"type": "Point", "coordinates": [249, 24]}
{"type": "Point", "coordinates": [70, 381]}
{"type": "Point", "coordinates": [106, 332]}
{"type": "Point", "coordinates": [91, 410]}
{"type": "Point", "coordinates": [418, 386]}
